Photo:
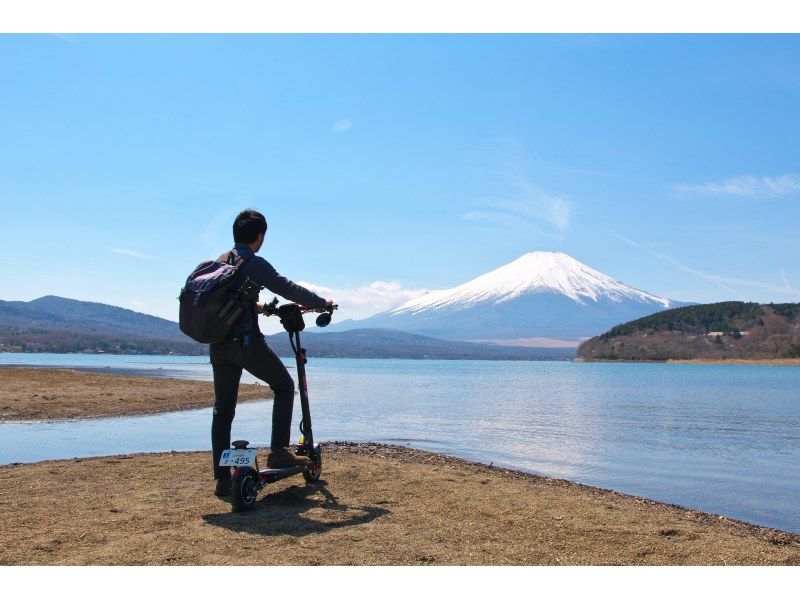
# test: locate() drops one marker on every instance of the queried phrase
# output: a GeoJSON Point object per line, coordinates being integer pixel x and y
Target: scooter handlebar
{"type": "Point", "coordinates": [271, 308]}
{"type": "Point", "coordinates": [321, 310]}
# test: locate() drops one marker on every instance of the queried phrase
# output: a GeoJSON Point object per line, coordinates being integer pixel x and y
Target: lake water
{"type": "Point", "coordinates": [724, 439]}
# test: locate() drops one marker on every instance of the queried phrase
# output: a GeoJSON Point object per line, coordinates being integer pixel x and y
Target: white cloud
{"type": "Point", "coordinates": [137, 305]}
{"type": "Point", "coordinates": [745, 186]}
{"type": "Point", "coordinates": [131, 253]}
{"type": "Point", "coordinates": [354, 303]}
{"type": "Point", "coordinates": [366, 300]}
{"type": "Point", "coordinates": [341, 125]}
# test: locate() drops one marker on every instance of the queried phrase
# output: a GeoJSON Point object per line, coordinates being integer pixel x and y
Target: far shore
{"type": "Point", "coordinates": [46, 394]}
{"type": "Point", "coordinates": [787, 361]}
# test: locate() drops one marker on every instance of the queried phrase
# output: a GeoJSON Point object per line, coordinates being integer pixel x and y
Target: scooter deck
{"type": "Point", "coordinates": [284, 471]}
{"type": "Point", "coordinates": [278, 470]}
{"type": "Point", "coordinates": [272, 474]}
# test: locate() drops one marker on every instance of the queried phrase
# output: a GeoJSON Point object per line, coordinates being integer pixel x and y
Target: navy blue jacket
{"type": "Point", "coordinates": [261, 272]}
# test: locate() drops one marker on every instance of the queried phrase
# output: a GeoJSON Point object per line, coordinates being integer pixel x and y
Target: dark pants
{"type": "Point", "coordinates": [227, 360]}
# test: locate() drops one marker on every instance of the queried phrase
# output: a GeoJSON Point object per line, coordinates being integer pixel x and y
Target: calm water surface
{"type": "Point", "coordinates": [724, 439]}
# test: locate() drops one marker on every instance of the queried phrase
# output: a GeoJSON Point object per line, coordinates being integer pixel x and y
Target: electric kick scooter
{"type": "Point", "coordinates": [247, 479]}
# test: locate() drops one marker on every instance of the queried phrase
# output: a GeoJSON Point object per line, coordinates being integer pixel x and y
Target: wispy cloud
{"type": "Point", "coordinates": [341, 125]}
{"type": "Point", "coordinates": [663, 256]}
{"type": "Point", "coordinates": [219, 227]}
{"type": "Point", "coordinates": [744, 186]}
{"type": "Point", "coordinates": [722, 282]}
{"type": "Point", "coordinates": [523, 214]}
{"type": "Point", "coordinates": [587, 171]}
{"type": "Point", "coordinates": [498, 219]}
{"type": "Point", "coordinates": [368, 299]}
{"type": "Point", "coordinates": [514, 202]}
{"type": "Point", "coordinates": [66, 37]}
{"type": "Point", "coordinates": [534, 203]}
{"type": "Point", "coordinates": [132, 253]}
{"type": "Point", "coordinates": [789, 288]}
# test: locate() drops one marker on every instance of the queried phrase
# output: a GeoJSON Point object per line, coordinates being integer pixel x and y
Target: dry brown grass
{"type": "Point", "coordinates": [380, 505]}
{"type": "Point", "coordinates": [47, 394]}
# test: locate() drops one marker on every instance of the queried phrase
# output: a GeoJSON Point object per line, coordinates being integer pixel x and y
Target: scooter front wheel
{"type": "Point", "coordinates": [314, 470]}
{"type": "Point", "coordinates": [244, 489]}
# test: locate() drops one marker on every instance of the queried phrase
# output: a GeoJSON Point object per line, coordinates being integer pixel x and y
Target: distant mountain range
{"type": "Point", "coordinates": [536, 299]}
{"type": "Point", "coordinates": [726, 330]}
{"type": "Point", "coordinates": [381, 343]}
{"type": "Point", "coordinates": [58, 325]}
{"type": "Point", "coordinates": [540, 306]}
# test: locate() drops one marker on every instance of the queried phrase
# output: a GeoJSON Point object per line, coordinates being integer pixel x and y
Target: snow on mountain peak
{"type": "Point", "coordinates": [534, 272]}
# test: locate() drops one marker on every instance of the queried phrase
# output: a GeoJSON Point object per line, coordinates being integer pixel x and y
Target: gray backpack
{"type": "Point", "coordinates": [213, 299]}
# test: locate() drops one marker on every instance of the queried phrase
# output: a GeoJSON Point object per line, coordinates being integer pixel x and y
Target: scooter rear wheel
{"type": "Point", "coordinates": [244, 489]}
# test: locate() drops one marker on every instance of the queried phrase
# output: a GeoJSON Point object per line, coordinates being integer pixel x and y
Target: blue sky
{"type": "Point", "coordinates": [390, 164]}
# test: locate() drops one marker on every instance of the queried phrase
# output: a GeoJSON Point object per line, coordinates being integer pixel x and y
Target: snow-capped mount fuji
{"type": "Point", "coordinates": [535, 272]}
{"type": "Point", "coordinates": [541, 295]}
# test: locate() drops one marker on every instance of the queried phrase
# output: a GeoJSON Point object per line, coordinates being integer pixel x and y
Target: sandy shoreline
{"type": "Point", "coordinates": [378, 505]}
{"type": "Point", "coordinates": [46, 394]}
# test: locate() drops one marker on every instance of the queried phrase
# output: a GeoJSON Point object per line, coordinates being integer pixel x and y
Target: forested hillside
{"type": "Point", "coordinates": [60, 325]}
{"type": "Point", "coordinates": [727, 330]}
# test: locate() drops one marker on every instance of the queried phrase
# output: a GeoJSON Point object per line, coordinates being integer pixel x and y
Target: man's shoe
{"type": "Point", "coordinates": [223, 487]}
{"type": "Point", "coordinates": [285, 458]}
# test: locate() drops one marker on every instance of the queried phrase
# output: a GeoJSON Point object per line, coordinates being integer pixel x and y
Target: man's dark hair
{"type": "Point", "coordinates": [248, 225]}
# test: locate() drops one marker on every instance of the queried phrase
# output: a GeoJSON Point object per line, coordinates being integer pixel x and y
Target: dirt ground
{"type": "Point", "coordinates": [47, 394]}
{"type": "Point", "coordinates": [378, 505]}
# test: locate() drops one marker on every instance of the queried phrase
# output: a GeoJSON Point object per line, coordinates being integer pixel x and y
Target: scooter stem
{"type": "Point", "coordinates": [305, 424]}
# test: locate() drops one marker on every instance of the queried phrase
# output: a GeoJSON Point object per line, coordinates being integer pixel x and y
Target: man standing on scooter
{"type": "Point", "coordinates": [247, 349]}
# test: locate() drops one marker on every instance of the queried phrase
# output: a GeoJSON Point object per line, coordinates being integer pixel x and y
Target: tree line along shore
{"type": "Point", "coordinates": [726, 332]}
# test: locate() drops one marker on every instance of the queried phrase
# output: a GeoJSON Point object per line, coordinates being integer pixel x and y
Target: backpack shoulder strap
{"type": "Point", "coordinates": [232, 258]}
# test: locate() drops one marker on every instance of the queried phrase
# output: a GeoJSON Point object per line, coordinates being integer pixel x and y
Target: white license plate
{"type": "Point", "coordinates": [238, 458]}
